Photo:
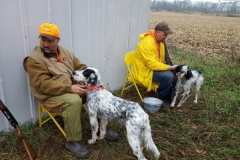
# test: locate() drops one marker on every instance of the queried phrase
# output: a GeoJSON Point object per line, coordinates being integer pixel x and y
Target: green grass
{"type": "Point", "coordinates": [205, 131]}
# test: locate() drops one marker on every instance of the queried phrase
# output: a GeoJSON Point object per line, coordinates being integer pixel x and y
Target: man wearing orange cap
{"type": "Point", "coordinates": [152, 65]}
{"type": "Point", "coordinates": [49, 67]}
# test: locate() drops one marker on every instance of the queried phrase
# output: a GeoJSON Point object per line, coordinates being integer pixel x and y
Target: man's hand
{"type": "Point", "coordinates": [173, 68]}
{"type": "Point", "coordinates": [79, 89]}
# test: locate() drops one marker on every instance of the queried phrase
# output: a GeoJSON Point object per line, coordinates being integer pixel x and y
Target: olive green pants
{"type": "Point", "coordinates": [70, 106]}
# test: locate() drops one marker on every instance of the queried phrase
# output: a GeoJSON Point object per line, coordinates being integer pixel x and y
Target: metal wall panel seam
{"type": "Point", "coordinates": [127, 49]}
{"type": "Point", "coordinates": [24, 27]}
{"type": "Point", "coordinates": [139, 21]}
{"type": "Point", "coordinates": [3, 100]}
{"type": "Point", "coordinates": [26, 51]}
{"type": "Point", "coordinates": [70, 23]}
{"type": "Point", "coordinates": [89, 33]}
{"type": "Point", "coordinates": [116, 56]}
{"type": "Point", "coordinates": [49, 11]}
{"type": "Point", "coordinates": [104, 35]}
{"type": "Point", "coordinates": [129, 13]}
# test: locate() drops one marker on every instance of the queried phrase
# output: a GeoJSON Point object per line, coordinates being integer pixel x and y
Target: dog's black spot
{"type": "Point", "coordinates": [189, 74]}
{"type": "Point", "coordinates": [178, 68]}
{"type": "Point", "coordinates": [88, 72]}
{"type": "Point", "coordinates": [91, 76]}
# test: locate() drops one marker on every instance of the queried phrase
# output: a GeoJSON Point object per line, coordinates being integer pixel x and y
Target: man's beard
{"type": "Point", "coordinates": [47, 50]}
{"type": "Point", "coordinates": [47, 54]}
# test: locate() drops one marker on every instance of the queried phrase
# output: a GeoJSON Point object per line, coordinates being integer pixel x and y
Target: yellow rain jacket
{"type": "Point", "coordinates": [150, 56]}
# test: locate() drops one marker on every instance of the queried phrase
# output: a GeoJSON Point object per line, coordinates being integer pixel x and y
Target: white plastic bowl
{"type": "Point", "coordinates": [152, 104]}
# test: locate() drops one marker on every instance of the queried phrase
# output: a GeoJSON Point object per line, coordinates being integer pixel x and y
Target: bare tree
{"type": "Point", "coordinates": [223, 6]}
{"type": "Point", "coordinates": [230, 5]}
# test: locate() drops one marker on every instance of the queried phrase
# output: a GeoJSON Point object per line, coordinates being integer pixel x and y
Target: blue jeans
{"type": "Point", "coordinates": [166, 79]}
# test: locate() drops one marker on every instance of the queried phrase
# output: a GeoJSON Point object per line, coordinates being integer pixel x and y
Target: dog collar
{"type": "Point", "coordinates": [90, 88]}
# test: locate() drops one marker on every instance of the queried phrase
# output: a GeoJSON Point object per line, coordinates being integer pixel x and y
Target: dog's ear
{"type": "Point", "coordinates": [92, 79]}
{"type": "Point", "coordinates": [178, 68]}
{"type": "Point", "coordinates": [87, 72]}
{"type": "Point", "coordinates": [97, 73]}
{"type": "Point", "coordinates": [189, 74]}
{"type": "Point", "coordinates": [92, 75]}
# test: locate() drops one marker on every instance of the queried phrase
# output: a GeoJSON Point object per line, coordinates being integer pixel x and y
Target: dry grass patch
{"type": "Point", "coordinates": [202, 34]}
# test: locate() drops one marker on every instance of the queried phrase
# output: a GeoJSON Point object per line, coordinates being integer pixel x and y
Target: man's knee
{"type": "Point", "coordinates": [170, 76]}
{"type": "Point", "coordinates": [73, 102]}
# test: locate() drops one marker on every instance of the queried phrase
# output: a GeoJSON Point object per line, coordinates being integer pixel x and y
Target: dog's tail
{"type": "Point", "coordinates": [148, 141]}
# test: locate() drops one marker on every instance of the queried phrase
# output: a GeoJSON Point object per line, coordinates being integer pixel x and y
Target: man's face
{"type": "Point", "coordinates": [49, 46]}
{"type": "Point", "coordinates": [160, 36]}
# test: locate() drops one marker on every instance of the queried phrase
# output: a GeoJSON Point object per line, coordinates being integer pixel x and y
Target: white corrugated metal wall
{"type": "Point", "coordinates": [99, 32]}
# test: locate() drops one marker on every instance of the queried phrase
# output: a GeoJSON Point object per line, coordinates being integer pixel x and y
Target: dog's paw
{"type": "Point", "coordinates": [195, 101]}
{"type": "Point", "coordinates": [179, 105]}
{"type": "Point", "coordinates": [157, 156]}
{"type": "Point", "coordinates": [91, 141]}
{"type": "Point", "coordinates": [172, 104]}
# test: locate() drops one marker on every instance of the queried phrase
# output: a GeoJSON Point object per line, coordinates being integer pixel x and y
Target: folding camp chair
{"type": "Point", "coordinates": [129, 57]}
{"type": "Point", "coordinates": [42, 109]}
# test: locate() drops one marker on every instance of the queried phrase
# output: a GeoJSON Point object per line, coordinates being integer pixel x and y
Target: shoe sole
{"type": "Point", "coordinates": [76, 155]}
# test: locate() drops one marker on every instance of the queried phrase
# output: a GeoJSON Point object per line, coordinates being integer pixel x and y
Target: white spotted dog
{"type": "Point", "coordinates": [186, 78]}
{"type": "Point", "coordinates": [102, 104]}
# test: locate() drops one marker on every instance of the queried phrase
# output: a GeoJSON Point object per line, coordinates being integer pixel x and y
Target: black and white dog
{"type": "Point", "coordinates": [102, 104]}
{"type": "Point", "coordinates": [186, 78]}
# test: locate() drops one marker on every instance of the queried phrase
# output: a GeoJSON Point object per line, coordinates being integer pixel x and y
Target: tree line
{"type": "Point", "coordinates": [222, 6]}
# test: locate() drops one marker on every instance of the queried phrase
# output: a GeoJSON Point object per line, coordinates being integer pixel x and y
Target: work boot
{"type": "Point", "coordinates": [111, 135]}
{"type": "Point", "coordinates": [77, 149]}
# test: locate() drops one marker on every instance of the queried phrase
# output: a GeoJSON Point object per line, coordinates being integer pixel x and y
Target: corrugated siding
{"type": "Point", "coordinates": [99, 32]}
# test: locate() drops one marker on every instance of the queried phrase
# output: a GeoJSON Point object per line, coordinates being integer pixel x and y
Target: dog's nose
{"type": "Point", "coordinates": [73, 72]}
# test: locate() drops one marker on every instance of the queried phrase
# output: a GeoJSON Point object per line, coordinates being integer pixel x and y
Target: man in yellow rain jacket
{"type": "Point", "coordinates": [152, 65]}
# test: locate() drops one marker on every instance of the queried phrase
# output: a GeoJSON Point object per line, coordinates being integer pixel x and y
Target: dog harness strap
{"type": "Point", "coordinates": [90, 88]}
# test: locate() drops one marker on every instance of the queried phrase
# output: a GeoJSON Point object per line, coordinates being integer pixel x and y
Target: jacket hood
{"type": "Point", "coordinates": [149, 33]}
